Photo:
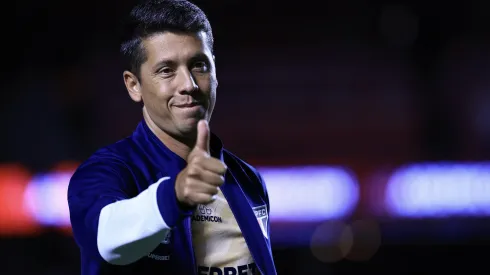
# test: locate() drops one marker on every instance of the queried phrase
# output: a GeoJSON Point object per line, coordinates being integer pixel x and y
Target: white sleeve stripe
{"type": "Point", "coordinates": [132, 228]}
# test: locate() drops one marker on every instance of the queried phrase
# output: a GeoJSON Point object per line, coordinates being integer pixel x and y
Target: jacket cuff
{"type": "Point", "coordinates": [170, 209]}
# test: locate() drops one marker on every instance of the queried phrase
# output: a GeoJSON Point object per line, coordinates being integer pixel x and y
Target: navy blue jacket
{"type": "Point", "coordinates": [122, 175]}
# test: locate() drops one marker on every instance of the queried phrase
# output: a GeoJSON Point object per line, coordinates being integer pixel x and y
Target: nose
{"type": "Point", "coordinates": [187, 81]}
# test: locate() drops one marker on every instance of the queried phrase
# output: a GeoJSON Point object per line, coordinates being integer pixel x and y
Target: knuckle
{"type": "Point", "coordinates": [186, 192]}
{"type": "Point", "coordinates": [193, 170]}
{"type": "Point", "coordinates": [199, 158]}
{"type": "Point", "coordinates": [195, 159]}
{"type": "Point", "coordinates": [191, 183]}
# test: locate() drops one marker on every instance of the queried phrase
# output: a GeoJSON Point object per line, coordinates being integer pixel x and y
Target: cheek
{"type": "Point", "coordinates": [157, 96]}
{"type": "Point", "coordinates": [214, 86]}
{"type": "Point", "coordinates": [208, 84]}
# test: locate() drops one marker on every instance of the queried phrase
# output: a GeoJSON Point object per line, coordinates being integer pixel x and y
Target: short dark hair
{"type": "Point", "coordinates": [157, 16]}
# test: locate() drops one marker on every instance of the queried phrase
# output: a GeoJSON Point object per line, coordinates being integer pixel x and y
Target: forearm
{"type": "Point", "coordinates": [130, 229]}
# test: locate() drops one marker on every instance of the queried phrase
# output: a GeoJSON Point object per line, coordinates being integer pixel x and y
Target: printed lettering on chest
{"type": "Point", "coordinates": [246, 269]}
{"type": "Point", "coordinates": [207, 213]}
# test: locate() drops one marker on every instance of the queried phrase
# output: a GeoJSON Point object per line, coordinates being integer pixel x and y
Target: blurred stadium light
{"type": "Point", "coordinates": [46, 198]}
{"type": "Point", "coordinates": [439, 190]}
{"type": "Point", "coordinates": [14, 217]}
{"type": "Point", "coordinates": [310, 193]}
{"type": "Point", "coordinates": [301, 197]}
{"type": "Point", "coordinates": [297, 194]}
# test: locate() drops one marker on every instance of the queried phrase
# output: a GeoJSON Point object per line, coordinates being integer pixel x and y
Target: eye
{"type": "Point", "coordinates": [201, 66]}
{"type": "Point", "coordinates": [166, 70]}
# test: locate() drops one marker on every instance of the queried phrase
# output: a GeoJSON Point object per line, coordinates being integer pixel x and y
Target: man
{"type": "Point", "coordinates": [169, 199]}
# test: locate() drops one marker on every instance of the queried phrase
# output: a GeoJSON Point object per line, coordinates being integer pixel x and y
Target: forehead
{"type": "Point", "coordinates": [175, 46]}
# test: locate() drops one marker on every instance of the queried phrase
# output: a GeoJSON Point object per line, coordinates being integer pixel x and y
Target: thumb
{"type": "Point", "coordinates": [203, 136]}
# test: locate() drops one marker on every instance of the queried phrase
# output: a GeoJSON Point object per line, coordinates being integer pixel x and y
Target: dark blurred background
{"type": "Point", "coordinates": [368, 86]}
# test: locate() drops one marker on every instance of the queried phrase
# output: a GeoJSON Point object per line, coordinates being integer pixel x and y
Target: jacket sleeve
{"type": "Point", "coordinates": [108, 223]}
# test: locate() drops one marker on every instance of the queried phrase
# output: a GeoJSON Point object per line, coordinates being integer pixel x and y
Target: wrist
{"type": "Point", "coordinates": [171, 209]}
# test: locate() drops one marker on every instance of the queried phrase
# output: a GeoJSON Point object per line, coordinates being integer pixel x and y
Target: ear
{"type": "Point", "coordinates": [132, 85]}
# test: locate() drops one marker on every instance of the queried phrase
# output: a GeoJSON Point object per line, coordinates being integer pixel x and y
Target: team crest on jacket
{"type": "Point", "coordinates": [263, 218]}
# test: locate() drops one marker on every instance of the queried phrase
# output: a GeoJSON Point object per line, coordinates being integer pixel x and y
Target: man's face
{"type": "Point", "coordinates": [177, 83]}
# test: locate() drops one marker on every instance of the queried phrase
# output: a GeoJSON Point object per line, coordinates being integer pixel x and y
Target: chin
{"type": "Point", "coordinates": [189, 126]}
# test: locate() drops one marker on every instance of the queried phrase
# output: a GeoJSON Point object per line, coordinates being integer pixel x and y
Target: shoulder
{"type": "Point", "coordinates": [107, 165]}
{"type": "Point", "coordinates": [111, 156]}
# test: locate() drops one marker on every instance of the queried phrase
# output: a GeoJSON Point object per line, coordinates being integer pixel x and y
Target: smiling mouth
{"type": "Point", "coordinates": [188, 105]}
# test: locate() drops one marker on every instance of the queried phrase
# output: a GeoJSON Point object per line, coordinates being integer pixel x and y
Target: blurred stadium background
{"type": "Point", "coordinates": [369, 120]}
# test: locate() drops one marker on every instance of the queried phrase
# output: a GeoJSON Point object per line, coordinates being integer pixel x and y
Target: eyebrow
{"type": "Point", "coordinates": [199, 57]}
{"type": "Point", "coordinates": [169, 62]}
{"type": "Point", "coordinates": [163, 62]}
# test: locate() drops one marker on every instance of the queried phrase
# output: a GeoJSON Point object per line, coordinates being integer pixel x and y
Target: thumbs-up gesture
{"type": "Point", "coordinates": [198, 183]}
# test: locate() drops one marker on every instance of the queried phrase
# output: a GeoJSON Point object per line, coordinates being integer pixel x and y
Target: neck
{"type": "Point", "coordinates": [180, 147]}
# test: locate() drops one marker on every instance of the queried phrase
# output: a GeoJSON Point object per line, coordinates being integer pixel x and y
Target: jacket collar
{"type": "Point", "coordinates": [144, 132]}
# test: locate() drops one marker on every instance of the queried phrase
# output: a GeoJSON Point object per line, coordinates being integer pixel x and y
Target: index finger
{"type": "Point", "coordinates": [214, 165]}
